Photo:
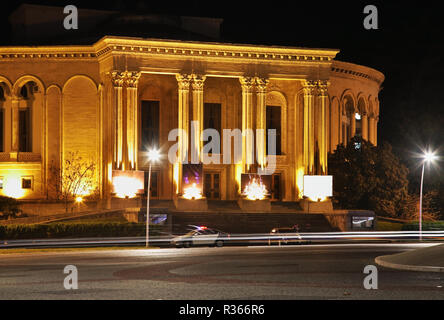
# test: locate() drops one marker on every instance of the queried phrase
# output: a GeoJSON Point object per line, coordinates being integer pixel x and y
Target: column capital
{"type": "Point", "coordinates": [322, 86]}
{"type": "Point", "coordinates": [261, 84]}
{"type": "Point", "coordinates": [132, 78]}
{"type": "Point", "coordinates": [198, 81]}
{"type": "Point", "coordinates": [117, 78]}
{"type": "Point", "coordinates": [246, 83]}
{"type": "Point", "coordinates": [183, 80]}
{"type": "Point", "coordinates": [309, 86]}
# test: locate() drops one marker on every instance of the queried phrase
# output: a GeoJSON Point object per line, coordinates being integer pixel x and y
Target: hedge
{"type": "Point", "coordinates": [64, 230]}
{"type": "Point", "coordinates": [426, 226]}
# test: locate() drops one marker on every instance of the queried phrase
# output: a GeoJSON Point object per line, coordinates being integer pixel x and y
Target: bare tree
{"type": "Point", "coordinates": [75, 179]}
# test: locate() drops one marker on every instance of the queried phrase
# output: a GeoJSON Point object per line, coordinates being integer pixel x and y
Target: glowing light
{"type": "Point", "coordinates": [318, 188]}
{"type": "Point", "coordinates": [12, 187]}
{"type": "Point", "coordinates": [357, 116]}
{"type": "Point", "coordinates": [79, 199]}
{"type": "Point", "coordinates": [255, 190]}
{"type": "Point", "coordinates": [153, 155]}
{"type": "Point", "coordinates": [126, 187]}
{"type": "Point", "coordinates": [176, 172]}
{"type": "Point", "coordinates": [192, 192]}
{"type": "Point", "coordinates": [429, 156]}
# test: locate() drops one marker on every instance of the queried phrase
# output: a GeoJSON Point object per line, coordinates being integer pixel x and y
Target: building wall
{"type": "Point", "coordinates": [80, 90]}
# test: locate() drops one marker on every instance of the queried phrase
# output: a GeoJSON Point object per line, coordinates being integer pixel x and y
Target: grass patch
{"type": "Point", "coordinates": [389, 226]}
{"type": "Point", "coordinates": [426, 226]}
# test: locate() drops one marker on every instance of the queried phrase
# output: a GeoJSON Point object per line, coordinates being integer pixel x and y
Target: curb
{"type": "Point", "coordinates": [380, 260]}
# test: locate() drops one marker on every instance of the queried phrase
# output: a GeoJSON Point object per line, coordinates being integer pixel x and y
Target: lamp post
{"type": "Point", "coordinates": [428, 157]}
{"type": "Point", "coordinates": [153, 156]}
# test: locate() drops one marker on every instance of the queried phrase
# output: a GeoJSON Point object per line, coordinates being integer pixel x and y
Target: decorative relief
{"type": "Point", "coordinates": [198, 82]}
{"type": "Point", "coordinates": [309, 86]}
{"type": "Point", "coordinates": [322, 86]}
{"type": "Point", "coordinates": [183, 80]}
{"type": "Point", "coordinates": [117, 78]}
{"type": "Point", "coordinates": [247, 83]}
{"type": "Point", "coordinates": [131, 78]}
{"type": "Point", "coordinates": [261, 84]}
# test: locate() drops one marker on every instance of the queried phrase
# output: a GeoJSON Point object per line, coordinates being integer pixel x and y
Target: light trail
{"type": "Point", "coordinates": [313, 237]}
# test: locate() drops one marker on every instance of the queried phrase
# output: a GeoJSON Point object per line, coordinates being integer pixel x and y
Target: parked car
{"type": "Point", "coordinates": [289, 235]}
{"type": "Point", "coordinates": [202, 235]}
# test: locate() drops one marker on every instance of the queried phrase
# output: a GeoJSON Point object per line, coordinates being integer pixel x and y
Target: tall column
{"type": "Point", "coordinates": [352, 124]}
{"type": "Point", "coordinates": [198, 114]}
{"type": "Point", "coordinates": [131, 80]}
{"type": "Point", "coordinates": [15, 127]}
{"type": "Point", "coordinates": [261, 118]}
{"type": "Point", "coordinates": [364, 119]}
{"type": "Point", "coordinates": [375, 131]}
{"type": "Point", "coordinates": [247, 123]}
{"type": "Point", "coordinates": [309, 142]}
{"type": "Point", "coordinates": [322, 126]}
{"type": "Point", "coordinates": [371, 129]}
{"type": "Point", "coordinates": [183, 81]}
{"type": "Point", "coordinates": [117, 79]}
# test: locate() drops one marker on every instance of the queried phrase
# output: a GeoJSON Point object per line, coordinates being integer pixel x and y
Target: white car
{"type": "Point", "coordinates": [201, 236]}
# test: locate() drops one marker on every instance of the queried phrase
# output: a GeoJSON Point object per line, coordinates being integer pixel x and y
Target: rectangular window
{"type": "Point", "coordinates": [276, 186]}
{"type": "Point", "coordinates": [212, 186]}
{"type": "Point", "coordinates": [26, 183]}
{"type": "Point", "coordinates": [154, 184]}
{"type": "Point", "coordinates": [24, 130]}
{"type": "Point", "coordinates": [274, 122]}
{"type": "Point", "coordinates": [212, 118]}
{"type": "Point", "coordinates": [150, 125]}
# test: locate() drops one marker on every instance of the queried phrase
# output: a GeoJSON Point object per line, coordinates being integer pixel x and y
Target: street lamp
{"type": "Point", "coordinates": [153, 156]}
{"type": "Point", "coordinates": [427, 157]}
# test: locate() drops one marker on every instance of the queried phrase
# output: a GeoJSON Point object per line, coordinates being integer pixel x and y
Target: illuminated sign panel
{"type": "Point", "coordinates": [318, 188]}
{"type": "Point", "coordinates": [127, 184]}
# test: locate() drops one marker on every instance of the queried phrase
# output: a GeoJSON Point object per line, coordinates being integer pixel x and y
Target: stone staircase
{"type": "Point", "coordinates": [249, 222]}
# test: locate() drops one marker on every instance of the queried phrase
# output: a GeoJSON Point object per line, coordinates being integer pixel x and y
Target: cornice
{"type": "Point", "coordinates": [171, 48]}
{"type": "Point", "coordinates": [346, 68]}
{"type": "Point", "coordinates": [48, 52]}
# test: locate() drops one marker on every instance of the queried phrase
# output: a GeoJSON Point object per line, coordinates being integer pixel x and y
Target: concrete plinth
{"type": "Point", "coordinates": [254, 205]}
{"type": "Point", "coordinates": [195, 205]}
{"type": "Point", "coordinates": [317, 207]}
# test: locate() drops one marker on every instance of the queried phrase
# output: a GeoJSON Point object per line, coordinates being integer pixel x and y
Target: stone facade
{"type": "Point", "coordinates": [88, 99]}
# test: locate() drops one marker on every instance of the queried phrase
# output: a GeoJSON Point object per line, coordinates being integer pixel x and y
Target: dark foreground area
{"type": "Point", "coordinates": [331, 271]}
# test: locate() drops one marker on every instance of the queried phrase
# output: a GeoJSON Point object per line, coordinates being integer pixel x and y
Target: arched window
{"type": "Point", "coordinates": [348, 116]}
{"type": "Point", "coordinates": [2, 118]}
{"type": "Point", "coordinates": [25, 139]}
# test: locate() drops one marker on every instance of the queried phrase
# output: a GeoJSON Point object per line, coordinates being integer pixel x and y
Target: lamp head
{"type": "Point", "coordinates": [153, 155]}
{"type": "Point", "coordinates": [429, 156]}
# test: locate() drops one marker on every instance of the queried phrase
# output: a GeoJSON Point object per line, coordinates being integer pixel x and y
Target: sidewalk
{"type": "Point", "coordinates": [429, 259]}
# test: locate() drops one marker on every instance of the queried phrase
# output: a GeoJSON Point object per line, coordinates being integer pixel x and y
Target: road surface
{"type": "Point", "coordinates": [330, 271]}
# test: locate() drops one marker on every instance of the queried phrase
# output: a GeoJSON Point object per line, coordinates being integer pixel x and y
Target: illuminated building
{"type": "Point", "coordinates": [114, 99]}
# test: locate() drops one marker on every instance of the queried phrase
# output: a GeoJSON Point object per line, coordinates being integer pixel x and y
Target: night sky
{"type": "Point", "coordinates": [407, 48]}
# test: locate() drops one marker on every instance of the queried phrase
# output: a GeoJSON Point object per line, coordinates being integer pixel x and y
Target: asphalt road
{"type": "Point", "coordinates": [288, 272]}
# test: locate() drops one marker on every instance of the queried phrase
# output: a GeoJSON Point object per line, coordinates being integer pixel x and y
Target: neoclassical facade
{"type": "Point", "coordinates": [114, 100]}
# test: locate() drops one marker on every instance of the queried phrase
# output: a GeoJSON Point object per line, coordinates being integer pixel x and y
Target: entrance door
{"type": "Point", "coordinates": [154, 184]}
{"type": "Point", "coordinates": [212, 185]}
{"type": "Point", "coordinates": [276, 187]}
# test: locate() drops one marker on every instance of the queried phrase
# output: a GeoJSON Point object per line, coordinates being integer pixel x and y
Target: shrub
{"type": "Point", "coordinates": [64, 230]}
{"type": "Point", "coordinates": [8, 206]}
{"type": "Point", "coordinates": [426, 226]}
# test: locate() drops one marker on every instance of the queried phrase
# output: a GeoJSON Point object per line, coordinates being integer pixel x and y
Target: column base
{"type": "Point", "coordinates": [183, 204]}
{"type": "Point", "coordinates": [316, 206]}
{"type": "Point", "coordinates": [254, 205]}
